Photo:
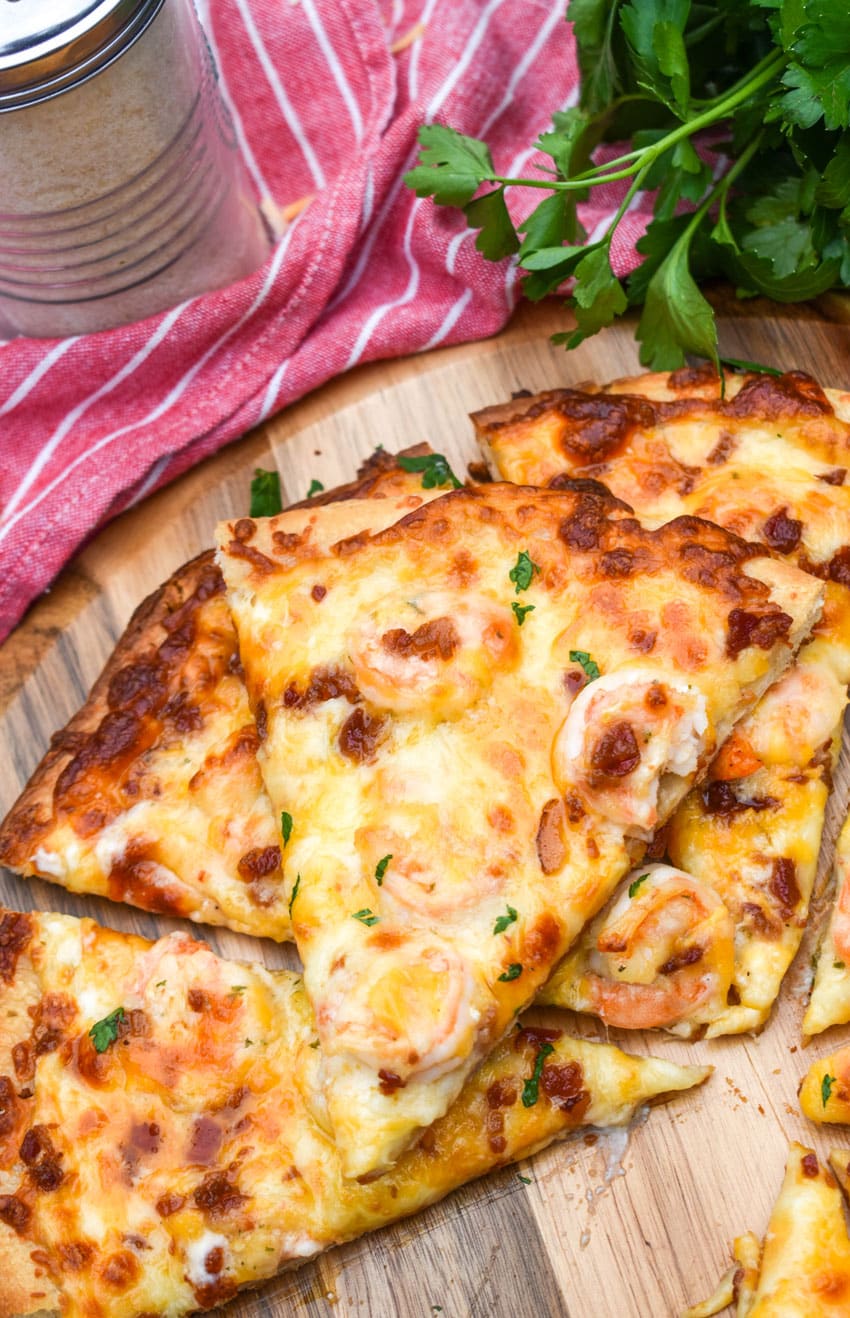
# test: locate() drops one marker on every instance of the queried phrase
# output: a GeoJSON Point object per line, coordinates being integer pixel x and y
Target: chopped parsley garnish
{"type": "Point", "coordinates": [249, 1043]}
{"type": "Point", "coordinates": [589, 665]}
{"type": "Point", "coordinates": [159, 983]}
{"type": "Point", "coordinates": [838, 965]}
{"type": "Point", "coordinates": [531, 1088]}
{"type": "Point", "coordinates": [237, 990]}
{"type": "Point", "coordinates": [316, 487]}
{"type": "Point", "coordinates": [294, 892]}
{"type": "Point", "coordinates": [315, 1043]}
{"type": "Point", "coordinates": [520, 610]}
{"type": "Point", "coordinates": [435, 470]}
{"type": "Point", "coordinates": [381, 868]}
{"type": "Point", "coordinates": [634, 887]}
{"type": "Point", "coordinates": [826, 1088]}
{"type": "Point", "coordinates": [526, 1180]}
{"type": "Point", "coordinates": [105, 1032]}
{"type": "Point", "coordinates": [504, 920]}
{"type": "Point", "coordinates": [265, 493]}
{"type": "Point", "coordinates": [523, 571]}
{"type": "Point", "coordinates": [513, 972]}
{"type": "Point", "coordinates": [366, 917]}
{"type": "Point", "coordinates": [286, 826]}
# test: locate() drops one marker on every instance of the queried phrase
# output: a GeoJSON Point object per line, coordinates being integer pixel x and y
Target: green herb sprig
{"type": "Point", "coordinates": [435, 470]}
{"type": "Point", "coordinates": [104, 1033]}
{"type": "Point", "coordinates": [531, 1088]}
{"type": "Point", "coordinates": [768, 79]}
{"type": "Point", "coordinates": [266, 500]}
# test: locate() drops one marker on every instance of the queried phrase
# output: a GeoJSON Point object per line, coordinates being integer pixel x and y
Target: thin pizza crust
{"type": "Point", "coordinates": [461, 799]}
{"type": "Point", "coordinates": [191, 1156]}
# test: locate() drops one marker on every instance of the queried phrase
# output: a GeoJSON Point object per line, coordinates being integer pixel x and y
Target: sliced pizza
{"type": "Point", "coordinates": [474, 741]}
{"type": "Point", "coordinates": [152, 794]}
{"type": "Point", "coordinates": [768, 461]}
{"type": "Point", "coordinates": [165, 1139]}
{"type": "Point", "coordinates": [830, 1000]}
{"type": "Point", "coordinates": [803, 1266]}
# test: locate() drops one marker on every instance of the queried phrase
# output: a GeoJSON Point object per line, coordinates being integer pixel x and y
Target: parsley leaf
{"type": "Point", "coordinates": [520, 611]}
{"type": "Point", "coordinates": [497, 236]}
{"type": "Point", "coordinates": [286, 826]}
{"type": "Point", "coordinates": [316, 487]}
{"type": "Point", "coordinates": [530, 1090]}
{"type": "Point", "coordinates": [504, 921]}
{"type": "Point", "coordinates": [634, 887]}
{"type": "Point", "coordinates": [294, 892]}
{"type": "Point", "coordinates": [589, 665]}
{"type": "Point", "coordinates": [826, 1088]}
{"type": "Point", "coordinates": [513, 972]}
{"type": "Point", "coordinates": [366, 917]}
{"type": "Point", "coordinates": [451, 167]}
{"type": "Point", "coordinates": [435, 470]}
{"type": "Point", "coordinates": [736, 364]}
{"type": "Point", "coordinates": [522, 572]}
{"type": "Point", "coordinates": [265, 493]}
{"type": "Point", "coordinates": [105, 1032]}
{"type": "Point", "coordinates": [526, 1180]}
{"type": "Point", "coordinates": [381, 869]}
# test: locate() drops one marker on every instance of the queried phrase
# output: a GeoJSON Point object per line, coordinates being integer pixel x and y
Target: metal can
{"type": "Point", "coordinates": [122, 190]}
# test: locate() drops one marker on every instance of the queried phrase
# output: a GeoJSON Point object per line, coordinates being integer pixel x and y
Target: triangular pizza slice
{"type": "Point", "coordinates": [152, 795]}
{"type": "Point", "coordinates": [830, 1000]}
{"type": "Point", "coordinates": [769, 461]}
{"type": "Point", "coordinates": [803, 1268]}
{"type": "Point", "coordinates": [164, 1139]}
{"type": "Point", "coordinates": [474, 742]}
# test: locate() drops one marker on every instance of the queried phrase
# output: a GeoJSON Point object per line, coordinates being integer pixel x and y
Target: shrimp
{"type": "Point", "coordinates": [438, 649]}
{"type": "Point", "coordinates": [660, 956]}
{"type": "Point", "coordinates": [797, 716]}
{"type": "Point", "coordinates": [626, 739]}
{"type": "Point", "coordinates": [401, 1003]}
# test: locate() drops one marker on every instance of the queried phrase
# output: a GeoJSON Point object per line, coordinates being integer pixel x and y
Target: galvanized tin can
{"type": "Point", "coordinates": [122, 190]}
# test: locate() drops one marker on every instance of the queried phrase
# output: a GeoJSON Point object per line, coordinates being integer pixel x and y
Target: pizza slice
{"type": "Point", "coordinates": [768, 461]}
{"type": "Point", "coordinates": [152, 795]}
{"type": "Point", "coordinates": [474, 741]}
{"type": "Point", "coordinates": [165, 1140]}
{"type": "Point", "coordinates": [830, 1000]}
{"type": "Point", "coordinates": [803, 1266]}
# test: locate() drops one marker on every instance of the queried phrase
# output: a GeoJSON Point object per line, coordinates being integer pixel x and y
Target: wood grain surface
{"type": "Point", "coordinates": [602, 1230]}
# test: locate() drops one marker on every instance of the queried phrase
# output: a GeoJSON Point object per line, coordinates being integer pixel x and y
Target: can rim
{"type": "Point", "coordinates": [64, 59]}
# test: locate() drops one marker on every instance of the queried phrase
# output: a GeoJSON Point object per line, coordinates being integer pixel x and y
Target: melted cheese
{"type": "Point", "coordinates": [185, 1161]}
{"type": "Point", "coordinates": [453, 777]}
{"type": "Point", "coordinates": [770, 463]}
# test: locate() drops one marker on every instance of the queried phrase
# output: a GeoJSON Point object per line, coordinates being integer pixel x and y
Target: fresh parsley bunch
{"type": "Point", "coordinates": [770, 81]}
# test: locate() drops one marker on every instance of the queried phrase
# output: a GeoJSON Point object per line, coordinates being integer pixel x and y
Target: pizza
{"type": "Point", "coordinates": [830, 1000]}
{"type": "Point", "coordinates": [803, 1265]}
{"type": "Point", "coordinates": [152, 795]}
{"type": "Point", "coordinates": [476, 719]}
{"type": "Point", "coordinates": [164, 1140]}
{"type": "Point", "coordinates": [769, 462]}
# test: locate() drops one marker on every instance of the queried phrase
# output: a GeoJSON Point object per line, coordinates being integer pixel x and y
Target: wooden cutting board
{"type": "Point", "coordinates": [614, 1228]}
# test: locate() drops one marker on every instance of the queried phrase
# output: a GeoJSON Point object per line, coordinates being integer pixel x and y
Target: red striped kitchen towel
{"type": "Point", "coordinates": [321, 105]}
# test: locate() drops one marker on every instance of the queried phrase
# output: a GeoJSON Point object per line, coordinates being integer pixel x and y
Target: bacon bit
{"type": "Point", "coordinates": [551, 849]}
{"type": "Point", "coordinates": [359, 736]}
{"type": "Point", "coordinates": [327, 682]}
{"type": "Point", "coordinates": [205, 1142]}
{"type": "Point", "coordinates": [8, 1106]}
{"type": "Point", "coordinates": [687, 957]}
{"type": "Point", "coordinates": [784, 886]}
{"type": "Point", "coordinates": [169, 1204]}
{"type": "Point", "coordinates": [258, 863]}
{"type": "Point", "coordinates": [319, 592]}
{"type": "Point", "coordinates": [737, 759]}
{"type": "Point", "coordinates": [244, 530]}
{"type": "Point", "coordinates": [217, 1195]}
{"type": "Point", "coordinates": [15, 1213]}
{"type": "Point", "coordinates": [762, 629]}
{"type": "Point", "coordinates": [15, 933]}
{"type": "Point", "coordinates": [390, 1082]}
{"type": "Point", "coordinates": [783, 533]}
{"type": "Point", "coordinates": [616, 753]}
{"type": "Point", "coordinates": [437, 639]}
{"type": "Point", "coordinates": [536, 1036]}
{"type": "Point", "coordinates": [563, 1086]}
{"type": "Point", "coordinates": [502, 1093]}
{"type": "Point", "coordinates": [809, 1165]}
{"type": "Point", "coordinates": [835, 477]}
{"type": "Point", "coordinates": [719, 798]}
